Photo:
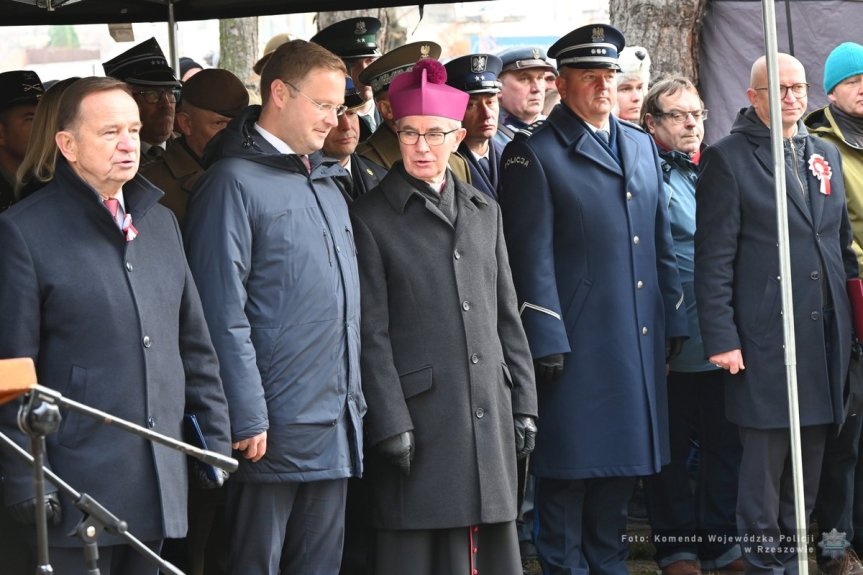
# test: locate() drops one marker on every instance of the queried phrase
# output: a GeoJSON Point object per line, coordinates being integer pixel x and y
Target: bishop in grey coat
{"type": "Point", "coordinates": [445, 360]}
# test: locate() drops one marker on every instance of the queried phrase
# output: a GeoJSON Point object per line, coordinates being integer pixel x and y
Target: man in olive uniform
{"type": "Point", "coordinates": [383, 146]}
{"type": "Point", "coordinates": [210, 99]}
{"type": "Point", "coordinates": [20, 91]}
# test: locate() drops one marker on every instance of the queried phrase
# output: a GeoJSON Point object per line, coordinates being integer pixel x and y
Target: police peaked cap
{"type": "Point", "coordinates": [475, 73]}
{"type": "Point", "coordinates": [591, 46]}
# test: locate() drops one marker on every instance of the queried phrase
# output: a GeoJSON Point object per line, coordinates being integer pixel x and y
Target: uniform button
{"type": "Point", "coordinates": [628, 196]}
{"type": "Point", "coordinates": [465, 305]}
{"type": "Point", "coordinates": [456, 254]}
{"type": "Point", "coordinates": [147, 341]}
{"type": "Point", "coordinates": [474, 358]}
{"type": "Point", "coordinates": [815, 316]}
{"type": "Point", "coordinates": [635, 240]}
{"type": "Point", "coordinates": [480, 413]}
{"type": "Point", "coordinates": [151, 423]}
{"type": "Point", "coordinates": [639, 284]}
{"type": "Point", "coordinates": [644, 330]}
{"type": "Point", "coordinates": [129, 266]}
{"type": "Point", "coordinates": [338, 249]}
{"type": "Point", "coordinates": [814, 275]}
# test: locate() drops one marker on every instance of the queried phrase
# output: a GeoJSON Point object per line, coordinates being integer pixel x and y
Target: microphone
{"type": "Point", "coordinates": [17, 378]}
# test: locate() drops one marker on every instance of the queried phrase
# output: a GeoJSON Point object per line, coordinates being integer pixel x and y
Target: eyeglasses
{"type": "Point", "coordinates": [679, 116]}
{"type": "Point", "coordinates": [153, 96]}
{"type": "Point", "coordinates": [797, 90]}
{"type": "Point", "coordinates": [326, 108]}
{"type": "Point", "coordinates": [409, 137]}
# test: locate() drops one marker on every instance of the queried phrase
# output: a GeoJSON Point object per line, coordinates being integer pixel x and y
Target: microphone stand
{"type": "Point", "coordinates": [39, 416]}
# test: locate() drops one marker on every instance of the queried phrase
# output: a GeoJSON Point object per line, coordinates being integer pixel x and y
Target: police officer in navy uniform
{"type": "Point", "coordinates": [523, 87]}
{"type": "Point", "coordinates": [355, 41]}
{"type": "Point", "coordinates": [476, 74]}
{"type": "Point", "coordinates": [601, 302]}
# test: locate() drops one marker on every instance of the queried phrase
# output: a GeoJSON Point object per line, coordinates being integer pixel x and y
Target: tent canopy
{"type": "Point", "coordinates": [36, 12]}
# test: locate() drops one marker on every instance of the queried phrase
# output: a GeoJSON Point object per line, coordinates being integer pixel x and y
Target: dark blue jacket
{"type": "Point", "coordinates": [594, 268]}
{"type": "Point", "coordinates": [737, 275]}
{"type": "Point", "coordinates": [488, 185]}
{"type": "Point", "coordinates": [271, 247]}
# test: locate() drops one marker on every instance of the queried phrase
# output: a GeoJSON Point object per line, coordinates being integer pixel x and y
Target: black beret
{"type": "Point", "coordinates": [591, 46]}
{"type": "Point", "coordinates": [216, 90]}
{"type": "Point", "coordinates": [144, 64]}
{"type": "Point", "coordinates": [351, 38]}
{"type": "Point", "coordinates": [19, 87]}
{"type": "Point", "coordinates": [381, 72]}
{"type": "Point", "coordinates": [524, 57]}
{"type": "Point", "coordinates": [475, 73]}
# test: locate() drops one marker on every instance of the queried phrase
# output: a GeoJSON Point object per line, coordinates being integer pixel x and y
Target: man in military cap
{"type": "Point", "coordinates": [341, 144]}
{"type": "Point", "coordinates": [355, 41]}
{"type": "Point", "coordinates": [210, 99]}
{"type": "Point", "coordinates": [523, 86]}
{"type": "Point", "coordinates": [20, 91]}
{"type": "Point", "coordinates": [155, 89]}
{"type": "Point", "coordinates": [476, 74]}
{"type": "Point", "coordinates": [594, 267]}
{"type": "Point", "coordinates": [383, 146]}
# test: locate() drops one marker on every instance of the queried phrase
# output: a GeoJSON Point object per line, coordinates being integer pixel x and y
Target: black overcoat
{"type": "Point", "coordinates": [444, 354]}
{"type": "Point", "coordinates": [118, 326]}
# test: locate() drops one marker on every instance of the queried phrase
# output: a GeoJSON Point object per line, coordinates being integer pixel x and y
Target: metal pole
{"type": "Point", "coordinates": [172, 39]}
{"type": "Point", "coordinates": [785, 281]}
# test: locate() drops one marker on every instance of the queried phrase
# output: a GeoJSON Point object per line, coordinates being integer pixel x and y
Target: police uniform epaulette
{"type": "Point", "coordinates": [629, 124]}
{"type": "Point", "coordinates": [529, 131]}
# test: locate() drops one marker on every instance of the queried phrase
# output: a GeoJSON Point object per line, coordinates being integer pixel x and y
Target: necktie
{"type": "Point", "coordinates": [155, 152]}
{"type": "Point", "coordinates": [483, 163]}
{"type": "Point", "coordinates": [125, 222]}
{"type": "Point", "coordinates": [604, 136]}
{"type": "Point", "coordinates": [306, 163]}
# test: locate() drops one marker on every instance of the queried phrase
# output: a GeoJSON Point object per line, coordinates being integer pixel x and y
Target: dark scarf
{"type": "Point", "coordinates": [850, 126]}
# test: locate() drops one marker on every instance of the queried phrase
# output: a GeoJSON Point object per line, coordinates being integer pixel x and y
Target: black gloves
{"type": "Point", "coordinates": [673, 347]}
{"type": "Point", "coordinates": [398, 450]}
{"type": "Point", "coordinates": [24, 512]}
{"type": "Point", "coordinates": [201, 477]}
{"type": "Point", "coordinates": [548, 368]}
{"type": "Point", "coordinates": [525, 435]}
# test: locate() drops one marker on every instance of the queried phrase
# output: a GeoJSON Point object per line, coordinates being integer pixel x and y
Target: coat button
{"type": "Point", "coordinates": [639, 284]}
{"type": "Point", "coordinates": [814, 275]}
{"type": "Point", "coordinates": [480, 413]}
{"type": "Point", "coordinates": [129, 266]}
{"type": "Point", "coordinates": [628, 196]}
{"type": "Point", "coordinates": [456, 254]}
{"type": "Point", "coordinates": [635, 240]}
{"type": "Point", "coordinates": [815, 316]}
{"type": "Point", "coordinates": [151, 422]}
{"type": "Point", "coordinates": [465, 305]}
{"type": "Point", "coordinates": [644, 330]}
{"type": "Point", "coordinates": [474, 358]}
{"type": "Point", "coordinates": [147, 342]}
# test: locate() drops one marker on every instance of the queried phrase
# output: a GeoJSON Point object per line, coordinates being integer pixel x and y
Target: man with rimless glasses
{"type": "Point", "coordinates": [270, 244]}
{"type": "Point", "coordinates": [155, 89]}
{"type": "Point", "coordinates": [738, 288]}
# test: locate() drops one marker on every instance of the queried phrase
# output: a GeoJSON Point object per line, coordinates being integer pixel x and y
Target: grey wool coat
{"type": "Point", "coordinates": [443, 354]}
{"type": "Point", "coordinates": [117, 326]}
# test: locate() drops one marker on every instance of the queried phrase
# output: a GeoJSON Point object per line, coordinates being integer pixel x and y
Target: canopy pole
{"type": "Point", "coordinates": [776, 137]}
{"type": "Point", "coordinates": [172, 39]}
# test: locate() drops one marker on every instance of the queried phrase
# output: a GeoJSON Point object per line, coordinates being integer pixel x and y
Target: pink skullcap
{"type": "Point", "coordinates": [423, 92]}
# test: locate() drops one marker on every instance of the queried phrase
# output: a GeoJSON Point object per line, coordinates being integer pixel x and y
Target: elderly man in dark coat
{"type": "Point", "coordinates": [95, 288]}
{"type": "Point", "coordinates": [737, 287]}
{"type": "Point", "coordinates": [446, 366]}
{"type": "Point", "coordinates": [600, 297]}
